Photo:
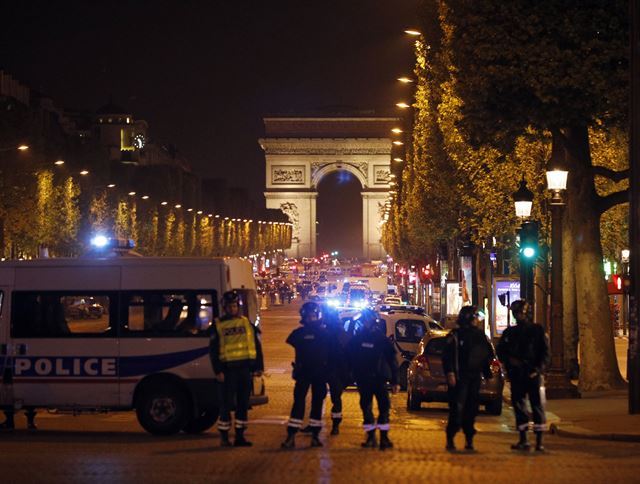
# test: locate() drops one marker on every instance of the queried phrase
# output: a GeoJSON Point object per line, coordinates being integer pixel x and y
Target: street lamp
{"type": "Point", "coordinates": [523, 200]}
{"type": "Point", "coordinates": [558, 382]}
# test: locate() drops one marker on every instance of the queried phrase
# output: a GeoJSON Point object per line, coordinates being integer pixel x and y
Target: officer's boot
{"type": "Point", "coordinates": [240, 441]}
{"type": "Point", "coordinates": [335, 427]}
{"type": "Point", "coordinates": [522, 444]}
{"type": "Point", "coordinates": [315, 441]}
{"type": "Point", "coordinates": [290, 441]}
{"type": "Point", "coordinates": [306, 430]}
{"type": "Point", "coordinates": [370, 443]}
{"type": "Point", "coordinates": [224, 438]}
{"type": "Point", "coordinates": [451, 446]}
{"type": "Point", "coordinates": [385, 443]}
{"type": "Point", "coordinates": [539, 446]}
{"type": "Point", "coordinates": [469, 442]}
{"type": "Point", "coordinates": [31, 419]}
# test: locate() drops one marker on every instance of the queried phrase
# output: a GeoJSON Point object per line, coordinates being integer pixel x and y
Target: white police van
{"type": "Point", "coordinates": [115, 334]}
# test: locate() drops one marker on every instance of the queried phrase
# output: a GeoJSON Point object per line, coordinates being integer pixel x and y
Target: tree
{"type": "Point", "coordinates": [558, 67]}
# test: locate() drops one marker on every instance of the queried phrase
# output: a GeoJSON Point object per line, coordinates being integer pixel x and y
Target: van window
{"type": "Point", "coordinates": [169, 313]}
{"type": "Point", "coordinates": [55, 314]}
{"type": "Point", "coordinates": [409, 330]}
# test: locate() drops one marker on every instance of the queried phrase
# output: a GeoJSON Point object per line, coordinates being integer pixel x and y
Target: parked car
{"type": "Point", "coordinates": [426, 381]}
{"type": "Point", "coordinates": [406, 329]}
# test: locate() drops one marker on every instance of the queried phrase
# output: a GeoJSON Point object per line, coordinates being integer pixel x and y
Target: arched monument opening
{"type": "Point", "coordinates": [300, 152]}
{"type": "Point", "coordinates": [339, 214]}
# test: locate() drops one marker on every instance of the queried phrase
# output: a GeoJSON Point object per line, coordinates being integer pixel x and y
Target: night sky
{"type": "Point", "coordinates": [203, 73]}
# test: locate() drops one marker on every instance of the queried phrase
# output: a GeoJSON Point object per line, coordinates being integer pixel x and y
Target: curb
{"type": "Point", "coordinates": [575, 432]}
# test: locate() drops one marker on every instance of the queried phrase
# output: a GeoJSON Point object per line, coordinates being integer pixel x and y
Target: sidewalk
{"type": "Point", "coordinates": [598, 415]}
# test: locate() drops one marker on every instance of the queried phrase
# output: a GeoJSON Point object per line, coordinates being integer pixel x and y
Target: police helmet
{"type": "Point", "coordinates": [467, 315]}
{"type": "Point", "coordinates": [520, 306]}
{"type": "Point", "coordinates": [230, 297]}
{"type": "Point", "coordinates": [310, 308]}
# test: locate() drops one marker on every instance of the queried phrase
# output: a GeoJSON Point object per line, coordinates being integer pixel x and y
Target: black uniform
{"type": "Point", "coordinates": [467, 355]}
{"type": "Point", "coordinates": [310, 370]}
{"type": "Point", "coordinates": [235, 391]}
{"type": "Point", "coordinates": [372, 359]}
{"type": "Point", "coordinates": [337, 374]}
{"type": "Point", "coordinates": [524, 351]}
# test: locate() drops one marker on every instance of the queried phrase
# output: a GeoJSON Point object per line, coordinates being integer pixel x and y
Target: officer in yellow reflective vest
{"type": "Point", "coordinates": [236, 354]}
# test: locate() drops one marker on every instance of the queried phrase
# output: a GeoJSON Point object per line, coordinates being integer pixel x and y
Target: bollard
{"type": "Point", "coordinates": [263, 302]}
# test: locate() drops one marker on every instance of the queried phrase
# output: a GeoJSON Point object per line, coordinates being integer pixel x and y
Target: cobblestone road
{"type": "Point", "coordinates": [113, 448]}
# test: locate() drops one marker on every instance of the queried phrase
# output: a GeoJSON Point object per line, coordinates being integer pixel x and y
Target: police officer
{"type": "Point", "coordinates": [337, 375]}
{"type": "Point", "coordinates": [372, 358]}
{"type": "Point", "coordinates": [236, 353]}
{"type": "Point", "coordinates": [466, 357]}
{"type": "Point", "coordinates": [523, 349]}
{"type": "Point", "coordinates": [311, 344]}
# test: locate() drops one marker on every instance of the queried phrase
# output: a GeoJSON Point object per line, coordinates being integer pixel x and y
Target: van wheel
{"type": "Point", "coordinates": [402, 376]}
{"type": "Point", "coordinates": [163, 409]}
{"type": "Point", "coordinates": [413, 402]}
{"type": "Point", "coordinates": [495, 407]}
{"type": "Point", "coordinates": [202, 423]}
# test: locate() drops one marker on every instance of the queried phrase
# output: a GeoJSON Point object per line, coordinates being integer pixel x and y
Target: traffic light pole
{"type": "Point", "coordinates": [528, 242]}
{"type": "Point", "coordinates": [526, 278]}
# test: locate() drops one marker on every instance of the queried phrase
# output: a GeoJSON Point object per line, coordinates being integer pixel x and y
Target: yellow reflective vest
{"type": "Point", "coordinates": [236, 340]}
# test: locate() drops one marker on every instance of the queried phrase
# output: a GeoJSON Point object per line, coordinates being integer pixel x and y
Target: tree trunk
{"type": "Point", "coordinates": [569, 316]}
{"type": "Point", "coordinates": [598, 364]}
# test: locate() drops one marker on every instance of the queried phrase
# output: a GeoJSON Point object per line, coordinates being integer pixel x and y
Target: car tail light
{"type": "Point", "coordinates": [495, 366]}
{"type": "Point", "coordinates": [422, 362]}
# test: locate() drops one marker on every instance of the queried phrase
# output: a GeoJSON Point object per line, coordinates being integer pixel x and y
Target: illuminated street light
{"type": "Point", "coordinates": [523, 200]}
{"type": "Point", "coordinates": [397, 130]}
{"type": "Point", "coordinates": [145, 197]}
{"type": "Point", "coordinates": [111, 185]}
{"type": "Point", "coordinates": [131, 194]}
{"type": "Point", "coordinates": [413, 32]}
{"type": "Point", "coordinates": [177, 205]}
{"type": "Point", "coordinates": [398, 143]}
{"type": "Point", "coordinates": [199, 212]}
{"type": "Point", "coordinates": [23, 147]}
{"type": "Point", "coordinates": [402, 105]}
{"type": "Point", "coordinates": [84, 172]}
{"type": "Point", "coordinates": [164, 203]}
{"type": "Point", "coordinates": [189, 210]}
{"type": "Point", "coordinates": [405, 80]}
{"type": "Point", "coordinates": [399, 160]}
{"type": "Point", "coordinates": [58, 162]}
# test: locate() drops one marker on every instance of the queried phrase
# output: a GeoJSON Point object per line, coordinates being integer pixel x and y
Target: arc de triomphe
{"type": "Point", "coordinates": [300, 151]}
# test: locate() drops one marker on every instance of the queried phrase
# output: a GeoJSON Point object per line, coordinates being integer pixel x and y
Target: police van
{"type": "Point", "coordinates": [117, 333]}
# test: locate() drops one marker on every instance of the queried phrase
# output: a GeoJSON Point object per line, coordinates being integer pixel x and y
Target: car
{"type": "Point", "coordinates": [358, 296]}
{"type": "Point", "coordinates": [392, 300]}
{"type": "Point", "coordinates": [426, 381]}
{"type": "Point", "coordinates": [406, 329]}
